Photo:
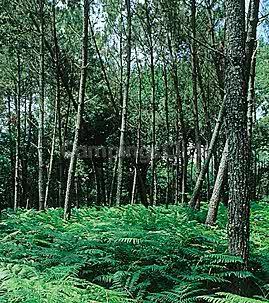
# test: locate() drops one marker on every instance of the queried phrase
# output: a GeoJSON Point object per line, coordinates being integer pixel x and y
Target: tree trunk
{"type": "Point", "coordinates": [113, 182]}
{"type": "Point", "coordinates": [58, 88]}
{"type": "Point", "coordinates": [138, 139]}
{"type": "Point", "coordinates": [184, 162]}
{"type": "Point", "coordinates": [251, 49]}
{"type": "Point", "coordinates": [238, 166]}
{"type": "Point", "coordinates": [250, 114]}
{"type": "Point", "coordinates": [167, 194]}
{"type": "Point", "coordinates": [215, 198]}
{"type": "Point", "coordinates": [18, 138]}
{"type": "Point", "coordinates": [41, 196]}
{"type": "Point", "coordinates": [124, 105]}
{"type": "Point", "coordinates": [195, 95]}
{"type": "Point", "coordinates": [252, 22]}
{"type": "Point", "coordinates": [28, 141]}
{"type": "Point", "coordinates": [81, 97]}
{"type": "Point", "coordinates": [153, 187]}
{"type": "Point", "coordinates": [11, 154]}
{"type": "Point", "coordinates": [53, 142]}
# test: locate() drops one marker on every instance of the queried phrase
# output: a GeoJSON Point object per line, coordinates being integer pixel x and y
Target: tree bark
{"type": "Point", "coordinates": [11, 154]}
{"type": "Point", "coordinates": [195, 95]}
{"type": "Point", "coordinates": [238, 166]}
{"type": "Point", "coordinates": [181, 122]}
{"type": "Point", "coordinates": [252, 22]}
{"type": "Point", "coordinates": [138, 139]}
{"type": "Point", "coordinates": [124, 105]}
{"type": "Point", "coordinates": [53, 142]}
{"type": "Point", "coordinates": [251, 49]}
{"type": "Point", "coordinates": [215, 198]}
{"type": "Point", "coordinates": [59, 120]}
{"type": "Point", "coordinates": [167, 194]}
{"type": "Point", "coordinates": [81, 97]}
{"type": "Point", "coordinates": [41, 196]}
{"type": "Point", "coordinates": [18, 137]}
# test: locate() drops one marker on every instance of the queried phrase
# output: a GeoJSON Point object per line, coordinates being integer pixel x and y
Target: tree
{"type": "Point", "coordinates": [81, 97]}
{"type": "Point", "coordinates": [18, 137]}
{"type": "Point", "coordinates": [124, 103]}
{"type": "Point", "coordinates": [236, 109]}
{"type": "Point", "coordinates": [195, 93]}
{"type": "Point", "coordinates": [41, 108]}
{"type": "Point", "coordinates": [215, 198]}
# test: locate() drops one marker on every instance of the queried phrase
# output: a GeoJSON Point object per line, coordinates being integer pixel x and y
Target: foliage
{"type": "Point", "coordinates": [112, 254]}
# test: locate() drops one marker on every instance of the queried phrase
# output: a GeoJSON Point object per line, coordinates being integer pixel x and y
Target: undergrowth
{"type": "Point", "coordinates": [128, 254]}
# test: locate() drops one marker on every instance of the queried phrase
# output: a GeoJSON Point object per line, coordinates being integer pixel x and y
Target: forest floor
{"type": "Point", "coordinates": [128, 254]}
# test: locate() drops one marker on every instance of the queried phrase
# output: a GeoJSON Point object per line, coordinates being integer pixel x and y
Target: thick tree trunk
{"type": "Point", "coordinates": [215, 198]}
{"type": "Point", "coordinates": [238, 166]}
{"type": "Point", "coordinates": [18, 138]}
{"type": "Point", "coordinates": [41, 196]}
{"type": "Point", "coordinates": [124, 105]}
{"type": "Point", "coordinates": [82, 87]}
{"type": "Point", "coordinates": [200, 180]}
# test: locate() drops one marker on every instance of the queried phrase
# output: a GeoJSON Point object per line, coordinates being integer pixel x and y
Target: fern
{"type": "Point", "coordinates": [127, 253]}
{"type": "Point", "coordinates": [230, 298]}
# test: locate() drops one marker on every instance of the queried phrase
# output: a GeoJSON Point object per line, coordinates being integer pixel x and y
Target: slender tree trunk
{"type": "Point", "coordinates": [41, 196]}
{"type": "Point", "coordinates": [53, 142]}
{"type": "Point", "coordinates": [138, 139]}
{"type": "Point", "coordinates": [215, 198]}
{"type": "Point", "coordinates": [58, 88]}
{"type": "Point", "coordinates": [252, 22]}
{"type": "Point", "coordinates": [238, 166]}
{"type": "Point", "coordinates": [184, 162]}
{"type": "Point", "coordinates": [179, 159]}
{"type": "Point", "coordinates": [11, 154]}
{"type": "Point", "coordinates": [195, 95]}
{"type": "Point", "coordinates": [200, 180]}
{"type": "Point", "coordinates": [27, 151]}
{"type": "Point", "coordinates": [102, 183]}
{"type": "Point", "coordinates": [250, 114]}
{"type": "Point", "coordinates": [113, 182]}
{"type": "Point", "coordinates": [124, 106]}
{"type": "Point", "coordinates": [98, 197]}
{"type": "Point", "coordinates": [153, 192]}
{"type": "Point", "coordinates": [18, 138]}
{"type": "Point", "coordinates": [250, 70]}
{"type": "Point", "coordinates": [167, 195]}
{"type": "Point", "coordinates": [192, 164]}
{"type": "Point", "coordinates": [81, 97]}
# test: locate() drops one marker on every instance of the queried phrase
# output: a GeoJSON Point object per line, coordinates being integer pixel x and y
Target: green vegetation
{"type": "Point", "coordinates": [128, 254]}
{"type": "Point", "coordinates": [133, 144]}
